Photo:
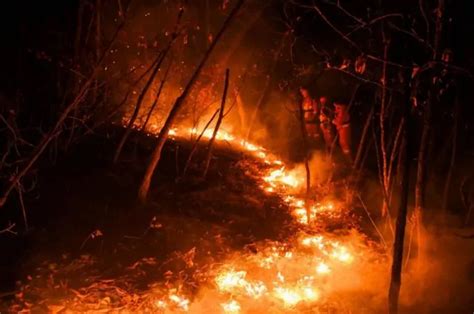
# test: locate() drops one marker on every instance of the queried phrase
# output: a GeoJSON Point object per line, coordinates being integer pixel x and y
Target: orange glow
{"type": "Point", "coordinates": [231, 307]}
{"type": "Point", "coordinates": [323, 269]}
{"type": "Point", "coordinates": [180, 301]}
{"type": "Point", "coordinates": [295, 273]}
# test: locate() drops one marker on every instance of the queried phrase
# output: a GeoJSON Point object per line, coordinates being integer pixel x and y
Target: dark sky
{"type": "Point", "coordinates": [30, 27]}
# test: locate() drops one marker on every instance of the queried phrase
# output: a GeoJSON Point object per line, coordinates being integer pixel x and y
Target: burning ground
{"type": "Point", "coordinates": [239, 243]}
{"type": "Point", "coordinates": [379, 93]}
{"type": "Point", "coordinates": [245, 240]}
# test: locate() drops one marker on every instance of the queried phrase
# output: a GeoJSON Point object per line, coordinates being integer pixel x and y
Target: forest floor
{"type": "Point", "coordinates": [92, 247]}
{"type": "Point", "coordinates": [87, 221]}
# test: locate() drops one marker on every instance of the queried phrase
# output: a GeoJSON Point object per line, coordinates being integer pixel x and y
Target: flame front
{"type": "Point", "coordinates": [298, 273]}
{"type": "Point", "coordinates": [273, 274]}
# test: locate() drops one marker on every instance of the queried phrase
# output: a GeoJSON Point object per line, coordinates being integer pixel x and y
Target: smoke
{"type": "Point", "coordinates": [320, 168]}
{"type": "Point", "coordinates": [441, 279]}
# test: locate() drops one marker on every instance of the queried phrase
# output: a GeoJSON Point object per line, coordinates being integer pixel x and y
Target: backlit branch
{"type": "Point", "coordinates": [9, 229]}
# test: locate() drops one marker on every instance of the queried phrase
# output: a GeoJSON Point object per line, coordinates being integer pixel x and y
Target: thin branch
{"type": "Point", "coordinates": [344, 36]}
{"type": "Point", "coordinates": [340, 7]}
{"type": "Point", "coordinates": [196, 142]}
{"type": "Point", "coordinates": [372, 221]}
{"type": "Point", "coordinates": [161, 57]}
{"type": "Point", "coordinates": [22, 204]}
{"type": "Point", "coordinates": [218, 124]}
{"type": "Point", "coordinates": [316, 8]}
{"type": "Point", "coordinates": [38, 151]}
{"type": "Point", "coordinates": [413, 35]}
{"type": "Point", "coordinates": [158, 93]}
{"type": "Point", "coordinates": [427, 22]}
{"type": "Point", "coordinates": [163, 135]}
{"type": "Point", "coordinates": [373, 21]}
{"type": "Point", "coordinates": [9, 229]}
{"type": "Point", "coordinates": [362, 79]}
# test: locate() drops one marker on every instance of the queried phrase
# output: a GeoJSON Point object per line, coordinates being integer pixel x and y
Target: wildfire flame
{"type": "Point", "coordinates": [282, 274]}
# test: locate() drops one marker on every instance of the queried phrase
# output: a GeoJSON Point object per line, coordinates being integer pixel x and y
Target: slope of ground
{"type": "Point", "coordinates": [243, 240]}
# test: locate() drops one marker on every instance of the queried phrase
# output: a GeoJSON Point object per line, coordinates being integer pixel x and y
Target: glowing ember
{"type": "Point", "coordinates": [310, 294]}
{"type": "Point", "coordinates": [323, 268]}
{"type": "Point", "coordinates": [316, 241]}
{"type": "Point", "coordinates": [161, 304]}
{"type": "Point", "coordinates": [172, 132]}
{"type": "Point", "coordinates": [230, 280]}
{"type": "Point", "coordinates": [248, 146]}
{"type": "Point", "coordinates": [341, 254]}
{"type": "Point", "coordinates": [255, 290]}
{"type": "Point", "coordinates": [289, 297]}
{"type": "Point", "coordinates": [180, 301]}
{"type": "Point", "coordinates": [279, 176]}
{"type": "Point", "coordinates": [231, 307]}
{"type": "Point", "coordinates": [269, 189]}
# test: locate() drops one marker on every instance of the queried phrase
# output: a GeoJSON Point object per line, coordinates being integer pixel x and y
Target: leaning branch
{"type": "Point", "coordinates": [196, 142]}
{"type": "Point", "coordinates": [218, 124]}
{"type": "Point", "coordinates": [157, 97]}
{"type": "Point", "coordinates": [163, 136]}
{"type": "Point", "coordinates": [304, 135]}
{"type": "Point", "coordinates": [160, 58]}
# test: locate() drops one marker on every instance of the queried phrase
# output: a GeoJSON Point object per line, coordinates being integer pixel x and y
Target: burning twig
{"type": "Point", "coordinates": [94, 234]}
{"type": "Point", "coordinates": [218, 124]}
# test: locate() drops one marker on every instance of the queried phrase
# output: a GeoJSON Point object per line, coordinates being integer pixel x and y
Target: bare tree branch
{"type": "Point", "coordinates": [9, 229]}
{"type": "Point", "coordinates": [48, 137]}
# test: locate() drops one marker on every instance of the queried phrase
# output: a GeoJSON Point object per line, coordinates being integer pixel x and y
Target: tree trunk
{"type": "Point", "coordinates": [449, 176]}
{"type": "Point", "coordinates": [425, 136]}
{"type": "Point", "coordinates": [363, 138]}
{"type": "Point", "coordinates": [218, 124]}
{"type": "Point", "coordinates": [421, 173]}
{"type": "Point", "coordinates": [304, 135]}
{"type": "Point", "coordinates": [383, 146]}
{"type": "Point", "coordinates": [405, 156]}
{"type": "Point", "coordinates": [162, 137]}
